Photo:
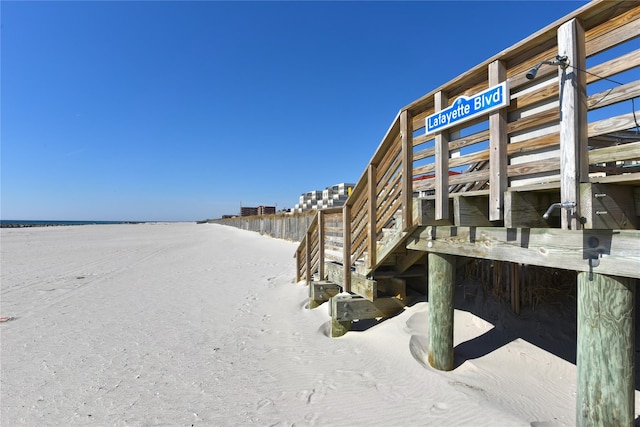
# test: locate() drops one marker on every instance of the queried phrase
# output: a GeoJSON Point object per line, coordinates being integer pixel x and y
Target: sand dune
{"type": "Point", "coordinates": [185, 324]}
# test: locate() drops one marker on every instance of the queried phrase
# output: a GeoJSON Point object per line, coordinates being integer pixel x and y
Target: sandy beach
{"type": "Point", "coordinates": [179, 324]}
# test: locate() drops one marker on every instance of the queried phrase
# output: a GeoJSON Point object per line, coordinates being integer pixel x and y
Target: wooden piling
{"type": "Point", "coordinates": [606, 351]}
{"type": "Point", "coordinates": [441, 291]}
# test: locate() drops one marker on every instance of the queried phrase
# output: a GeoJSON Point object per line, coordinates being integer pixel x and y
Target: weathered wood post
{"type": "Point", "coordinates": [372, 212]}
{"type": "Point", "coordinates": [606, 351]}
{"type": "Point", "coordinates": [406, 133]}
{"type": "Point", "coordinates": [321, 238]}
{"type": "Point", "coordinates": [441, 290]}
{"type": "Point", "coordinates": [441, 101]}
{"type": "Point", "coordinates": [346, 245]}
{"type": "Point", "coordinates": [498, 141]}
{"type": "Point", "coordinates": [574, 134]}
{"type": "Point", "coordinates": [307, 251]}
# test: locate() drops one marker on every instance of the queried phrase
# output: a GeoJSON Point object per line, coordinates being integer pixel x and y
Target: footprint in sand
{"type": "Point", "coordinates": [264, 403]}
{"type": "Point", "coordinates": [301, 360]}
{"type": "Point", "coordinates": [309, 396]}
{"type": "Point", "coordinates": [439, 407]}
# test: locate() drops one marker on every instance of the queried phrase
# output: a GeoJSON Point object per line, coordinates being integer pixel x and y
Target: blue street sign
{"type": "Point", "coordinates": [465, 108]}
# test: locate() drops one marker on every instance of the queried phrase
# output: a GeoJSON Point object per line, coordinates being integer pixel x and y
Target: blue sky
{"type": "Point", "coordinates": [179, 111]}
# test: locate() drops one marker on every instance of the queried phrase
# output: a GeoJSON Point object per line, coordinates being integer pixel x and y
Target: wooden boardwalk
{"type": "Point", "coordinates": [549, 176]}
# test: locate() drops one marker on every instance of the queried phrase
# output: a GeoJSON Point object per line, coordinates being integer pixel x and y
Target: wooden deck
{"type": "Point", "coordinates": [552, 179]}
{"type": "Point", "coordinates": [508, 167]}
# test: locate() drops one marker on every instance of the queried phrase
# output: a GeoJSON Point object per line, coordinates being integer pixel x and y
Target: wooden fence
{"type": "Point", "coordinates": [285, 226]}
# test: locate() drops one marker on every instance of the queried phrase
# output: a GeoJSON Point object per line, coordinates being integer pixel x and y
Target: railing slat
{"type": "Point", "coordinates": [406, 132]}
{"type": "Point", "coordinates": [497, 147]}
{"type": "Point", "coordinates": [371, 231]}
{"type": "Point", "coordinates": [442, 163]}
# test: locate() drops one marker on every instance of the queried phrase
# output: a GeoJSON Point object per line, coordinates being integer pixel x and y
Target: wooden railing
{"type": "Point", "coordinates": [326, 227]}
{"type": "Point", "coordinates": [543, 140]}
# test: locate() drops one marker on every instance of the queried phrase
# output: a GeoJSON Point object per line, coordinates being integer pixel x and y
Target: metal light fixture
{"type": "Point", "coordinates": [562, 61]}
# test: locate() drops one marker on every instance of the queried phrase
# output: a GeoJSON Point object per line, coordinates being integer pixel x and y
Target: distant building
{"type": "Point", "coordinates": [266, 210]}
{"type": "Point", "coordinates": [260, 210]}
{"type": "Point", "coordinates": [330, 197]}
{"type": "Point", "coordinates": [248, 211]}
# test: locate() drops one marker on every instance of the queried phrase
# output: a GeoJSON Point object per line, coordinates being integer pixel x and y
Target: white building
{"type": "Point", "coordinates": [332, 196]}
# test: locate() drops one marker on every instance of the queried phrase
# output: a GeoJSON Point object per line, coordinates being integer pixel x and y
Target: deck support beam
{"type": "Point", "coordinates": [344, 309]}
{"type": "Point", "coordinates": [321, 292]}
{"type": "Point", "coordinates": [605, 351]}
{"type": "Point", "coordinates": [359, 284]}
{"type": "Point", "coordinates": [441, 291]}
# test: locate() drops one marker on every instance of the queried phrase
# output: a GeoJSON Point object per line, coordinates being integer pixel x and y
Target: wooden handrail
{"type": "Point", "coordinates": [515, 146]}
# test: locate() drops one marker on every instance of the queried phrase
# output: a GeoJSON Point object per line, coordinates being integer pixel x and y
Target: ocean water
{"type": "Point", "coordinates": [9, 223]}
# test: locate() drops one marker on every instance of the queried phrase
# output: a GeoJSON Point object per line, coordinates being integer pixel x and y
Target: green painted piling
{"type": "Point", "coordinates": [606, 351]}
{"type": "Point", "coordinates": [441, 291]}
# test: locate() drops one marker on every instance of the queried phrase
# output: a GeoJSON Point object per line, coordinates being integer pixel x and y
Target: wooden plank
{"type": "Point", "coordinates": [614, 66]}
{"type": "Point", "coordinates": [423, 154]}
{"type": "Point", "coordinates": [471, 211]}
{"type": "Point", "coordinates": [613, 32]}
{"type": "Point", "coordinates": [534, 144]}
{"type": "Point", "coordinates": [393, 287]}
{"type": "Point", "coordinates": [420, 139]}
{"type": "Point", "coordinates": [406, 132]}
{"type": "Point", "coordinates": [607, 206]}
{"type": "Point", "coordinates": [541, 46]}
{"type": "Point", "coordinates": [614, 95]}
{"type": "Point", "coordinates": [441, 292]}
{"type": "Point", "coordinates": [424, 213]}
{"type": "Point", "coordinates": [442, 162]}
{"type": "Point", "coordinates": [407, 260]}
{"type": "Point", "coordinates": [605, 356]}
{"type": "Point", "coordinates": [298, 265]}
{"type": "Point", "coordinates": [468, 159]}
{"type": "Point", "coordinates": [390, 161]}
{"type": "Point", "coordinates": [613, 124]}
{"type": "Point", "coordinates": [459, 143]}
{"type": "Point", "coordinates": [321, 292]}
{"type": "Point", "coordinates": [360, 285]}
{"type": "Point", "coordinates": [351, 307]}
{"type": "Point", "coordinates": [550, 164]}
{"type": "Point", "coordinates": [481, 175]}
{"type": "Point", "coordinates": [346, 247]}
{"type": "Point", "coordinates": [574, 165]}
{"type": "Point", "coordinates": [618, 250]}
{"type": "Point", "coordinates": [372, 215]}
{"type": "Point", "coordinates": [307, 257]}
{"type": "Point", "coordinates": [524, 209]}
{"type": "Point", "coordinates": [390, 210]}
{"type": "Point", "coordinates": [628, 178]}
{"type": "Point", "coordinates": [321, 243]}
{"type": "Point", "coordinates": [548, 117]}
{"type": "Point", "coordinates": [497, 147]}
{"type": "Point", "coordinates": [424, 169]}
{"type": "Point", "coordinates": [615, 153]}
